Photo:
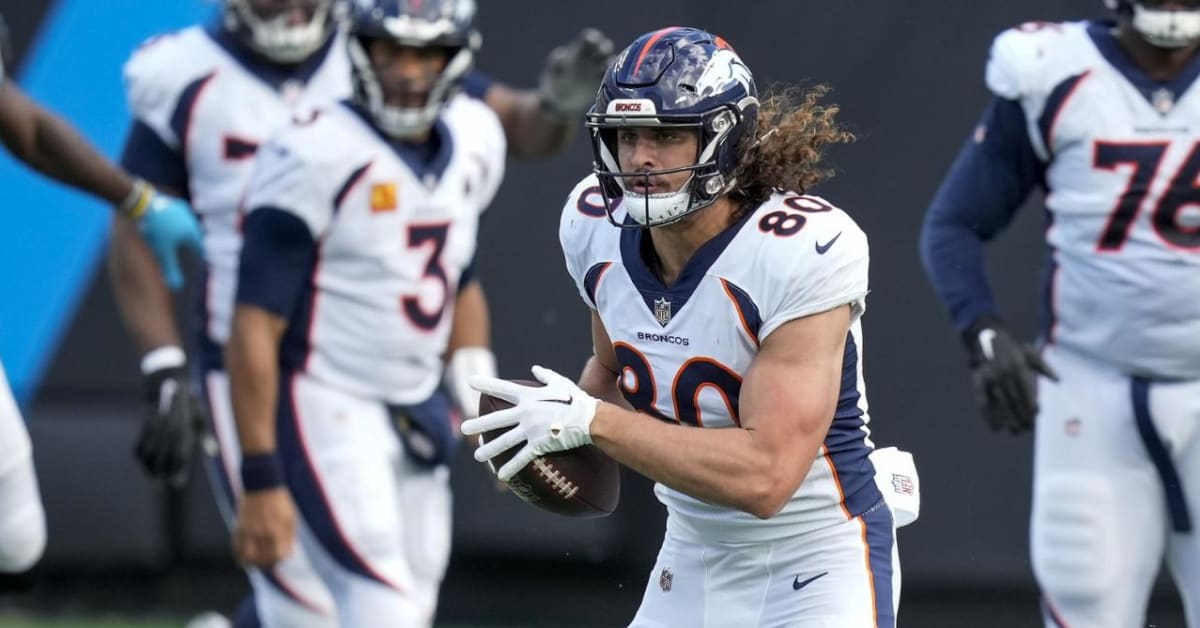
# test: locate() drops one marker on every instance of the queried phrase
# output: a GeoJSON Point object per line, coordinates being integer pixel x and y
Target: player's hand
{"type": "Point", "coordinates": [174, 421]}
{"type": "Point", "coordinates": [1005, 373]}
{"type": "Point", "coordinates": [168, 224]}
{"type": "Point", "coordinates": [573, 72]}
{"type": "Point", "coordinates": [554, 417]}
{"type": "Point", "coordinates": [465, 363]}
{"type": "Point", "coordinates": [265, 531]}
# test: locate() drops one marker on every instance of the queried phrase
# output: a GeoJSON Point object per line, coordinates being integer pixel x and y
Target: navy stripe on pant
{"type": "Point", "coordinates": [878, 530]}
{"type": "Point", "coordinates": [308, 491]}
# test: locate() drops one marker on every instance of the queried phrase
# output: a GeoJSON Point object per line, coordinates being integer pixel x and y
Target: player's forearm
{"type": "Point", "coordinates": [721, 466]}
{"type": "Point", "coordinates": [53, 147]}
{"type": "Point", "coordinates": [142, 295]}
{"type": "Point", "coordinates": [472, 321]}
{"type": "Point", "coordinates": [252, 358]}
{"type": "Point", "coordinates": [533, 131]}
{"type": "Point", "coordinates": [65, 155]}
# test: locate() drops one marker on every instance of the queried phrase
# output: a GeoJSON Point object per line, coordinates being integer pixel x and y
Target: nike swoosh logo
{"type": "Point", "coordinates": [821, 248]}
{"type": "Point", "coordinates": [986, 338]}
{"type": "Point", "coordinates": [566, 402]}
{"type": "Point", "coordinates": [798, 584]}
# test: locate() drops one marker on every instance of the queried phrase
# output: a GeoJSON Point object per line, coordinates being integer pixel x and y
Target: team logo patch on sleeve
{"type": "Point", "coordinates": [383, 197]}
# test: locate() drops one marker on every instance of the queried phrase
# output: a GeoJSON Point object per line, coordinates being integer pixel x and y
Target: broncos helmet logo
{"type": "Point", "coordinates": [722, 72]}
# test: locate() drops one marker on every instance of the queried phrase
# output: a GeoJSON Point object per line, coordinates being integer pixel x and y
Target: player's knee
{"type": "Point", "coordinates": [426, 500]}
{"type": "Point", "coordinates": [22, 538]}
{"type": "Point", "coordinates": [1071, 533]}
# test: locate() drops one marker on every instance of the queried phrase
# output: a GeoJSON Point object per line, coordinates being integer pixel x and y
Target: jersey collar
{"type": "Point", "coordinates": [1101, 35]}
{"type": "Point", "coordinates": [657, 295]}
{"type": "Point", "coordinates": [427, 160]}
{"type": "Point", "coordinates": [272, 74]}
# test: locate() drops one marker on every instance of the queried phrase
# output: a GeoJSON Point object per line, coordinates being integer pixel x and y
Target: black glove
{"type": "Point", "coordinates": [175, 419]}
{"type": "Point", "coordinates": [573, 72]}
{"type": "Point", "coordinates": [1005, 373]}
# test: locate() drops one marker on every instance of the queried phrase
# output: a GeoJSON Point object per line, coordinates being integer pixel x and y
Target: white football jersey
{"type": "Point", "coordinates": [393, 239]}
{"type": "Point", "coordinates": [213, 104]}
{"type": "Point", "coordinates": [684, 349]}
{"type": "Point", "coordinates": [1123, 179]}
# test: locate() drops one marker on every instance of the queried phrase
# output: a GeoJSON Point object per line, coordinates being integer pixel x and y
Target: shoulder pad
{"type": "Point", "coordinates": [158, 72]}
{"type": "Point", "coordinates": [1026, 58]}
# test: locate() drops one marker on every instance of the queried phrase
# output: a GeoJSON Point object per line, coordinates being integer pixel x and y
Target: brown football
{"type": "Point", "coordinates": [581, 482]}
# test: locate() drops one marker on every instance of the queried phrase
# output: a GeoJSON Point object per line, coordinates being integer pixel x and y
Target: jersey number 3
{"type": "Point", "coordinates": [433, 237]}
{"type": "Point", "coordinates": [1183, 191]}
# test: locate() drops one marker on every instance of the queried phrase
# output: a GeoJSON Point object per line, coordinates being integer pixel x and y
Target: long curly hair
{"type": "Point", "coordinates": [794, 128]}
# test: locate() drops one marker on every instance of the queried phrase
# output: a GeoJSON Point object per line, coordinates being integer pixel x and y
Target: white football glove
{"type": "Point", "coordinates": [465, 363]}
{"type": "Point", "coordinates": [554, 417]}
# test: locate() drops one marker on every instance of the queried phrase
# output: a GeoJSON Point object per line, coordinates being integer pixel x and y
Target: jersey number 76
{"type": "Point", "coordinates": [1183, 191]}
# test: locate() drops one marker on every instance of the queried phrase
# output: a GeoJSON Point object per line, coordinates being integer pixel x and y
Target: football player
{"type": "Point", "coordinates": [1105, 117]}
{"type": "Point", "coordinates": [203, 101]}
{"type": "Point", "coordinates": [725, 307]}
{"type": "Point", "coordinates": [51, 146]}
{"type": "Point", "coordinates": [359, 232]}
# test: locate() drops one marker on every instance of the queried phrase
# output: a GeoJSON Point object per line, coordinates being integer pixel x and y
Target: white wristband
{"type": "Point", "coordinates": [164, 357]}
{"type": "Point", "coordinates": [465, 363]}
{"type": "Point", "coordinates": [468, 361]}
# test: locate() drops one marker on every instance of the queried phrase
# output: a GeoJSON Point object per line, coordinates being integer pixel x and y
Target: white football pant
{"type": "Point", "coordinates": [290, 594]}
{"type": "Point", "coordinates": [1116, 479]}
{"type": "Point", "coordinates": [374, 524]}
{"type": "Point", "coordinates": [842, 576]}
{"type": "Point", "coordinates": [22, 519]}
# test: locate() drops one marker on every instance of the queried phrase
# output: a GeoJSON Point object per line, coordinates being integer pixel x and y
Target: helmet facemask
{"type": "Point", "coordinates": [719, 130]}
{"type": "Point", "coordinates": [1163, 28]}
{"type": "Point", "coordinates": [447, 29]}
{"type": "Point", "coordinates": [276, 38]}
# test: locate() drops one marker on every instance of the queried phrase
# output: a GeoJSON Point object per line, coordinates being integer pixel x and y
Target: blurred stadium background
{"type": "Point", "coordinates": [908, 76]}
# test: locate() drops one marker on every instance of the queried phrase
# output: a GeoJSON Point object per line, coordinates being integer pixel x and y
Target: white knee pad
{"type": "Point", "coordinates": [425, 497]}
{"type": "Point", "coordinates": [22, 520]}
{"type": "Point", "coordinates": [1071, 535]}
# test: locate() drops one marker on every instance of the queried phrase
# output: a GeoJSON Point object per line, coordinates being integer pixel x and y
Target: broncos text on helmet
{"type": "Point", "coordinates": [680, 78]}
{"type": "Point", "coordinates": [444, 24]}
{"type": "Point", "coordinates": [283, 32]}
{"type": "Point", "coordinates": [1177, 27]}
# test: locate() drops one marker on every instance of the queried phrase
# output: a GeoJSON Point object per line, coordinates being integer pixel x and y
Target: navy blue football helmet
{"type": "Point", "coordinates": [445, 24]}
{"type": "Point", "coordinates": [1162, 27]}
{"type": "Point", "coordinates": [275, 37]}
{"type": "Point", "coordinates": [674, 77]}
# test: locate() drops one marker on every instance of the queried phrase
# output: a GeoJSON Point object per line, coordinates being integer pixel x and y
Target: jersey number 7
{"type": "Point", "coordinates": [1183, 191]}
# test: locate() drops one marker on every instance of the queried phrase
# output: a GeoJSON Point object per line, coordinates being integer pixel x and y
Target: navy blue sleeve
{"type": "Point", "coordinates": [991, 178]}
{"type": "Point", "coordinates": [476, 84]}
{"type": "Point", "coordinates": [147, 156]}
{"type": "Point", "coordinates": [279, 255]}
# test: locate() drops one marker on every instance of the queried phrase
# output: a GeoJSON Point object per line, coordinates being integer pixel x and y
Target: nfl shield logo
{"type": "Point", "coordinates": [662, 311]}
{"type": "Point", "coordinates": [665, 578]}
{"type": "Point", "coordinates": [902, 484]}
{"type": "Point", "coordinates": [1164, 100]}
